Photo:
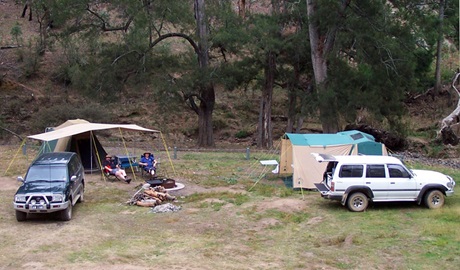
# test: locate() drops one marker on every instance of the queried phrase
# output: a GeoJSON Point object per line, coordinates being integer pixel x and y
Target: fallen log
{"type": "Point", "coordinates": [10, 47]}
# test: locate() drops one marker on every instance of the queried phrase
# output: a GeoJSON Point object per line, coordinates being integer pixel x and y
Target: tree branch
{"type": "Point", "coordinates": [15, 134]}
{"type": "Point", "coordinates": [104, 23]}
{"type": "Point", "coordinates": [10, 47]}
{"type": "Point", "coordinates": [184, 36]}
{"type": "Point", "coordinates": [119, 57]}
{"type": "Point", "coordinates": [191, 101]}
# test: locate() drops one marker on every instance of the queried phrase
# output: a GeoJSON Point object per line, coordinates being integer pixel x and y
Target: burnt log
{"type": "Point", "coordinates": [448, 136]}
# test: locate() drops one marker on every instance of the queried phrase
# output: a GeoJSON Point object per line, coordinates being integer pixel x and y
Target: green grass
{"type": "Point", "coordinates": [246, 217]}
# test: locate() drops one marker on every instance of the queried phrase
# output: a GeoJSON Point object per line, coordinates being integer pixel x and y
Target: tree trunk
{"type": "Point", "coordinates": [300, 124]}
{"type": "Point", "coordinates": [207, 93]}
{"type": "Point", "coordinates": [242, 8]}
{"type": "Point", "coordinates": [44, 22]}
{"type": "Point", "coordinates": [292, 98]}
{"type": "Point", "coordinates": [265, 137]}
{"type": "Point", "coordinates": [437, 87]}
{"type": "Point", "coordinates": [205, 131]}
{"type": "Point", "coordinates": [321, 45]}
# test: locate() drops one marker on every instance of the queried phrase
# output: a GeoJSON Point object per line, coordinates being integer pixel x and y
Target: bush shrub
{"type": "Point", "coordinates": [59, 113]}
{"type": "Point", "coordinates": [242, 134]}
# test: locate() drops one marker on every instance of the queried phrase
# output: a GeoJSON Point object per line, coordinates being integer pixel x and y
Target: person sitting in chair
{"type": "Point", "coordinates": [115, 169]}
{"type": "Point", "coordinates": [148, 163]}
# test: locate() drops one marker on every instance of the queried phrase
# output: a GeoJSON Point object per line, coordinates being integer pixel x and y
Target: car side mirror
{"type": "Point", "coordinates": [73, 178]}
{"type": "Point", "coordinates": [20, 179]}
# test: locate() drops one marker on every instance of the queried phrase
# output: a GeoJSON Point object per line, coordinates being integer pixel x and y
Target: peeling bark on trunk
{"type": "Point", "coordinates": [450, 125]}
{"type": "Point", "coordinates": [207, 93]}
{"type": "Point", "coordinates": [321, 43]}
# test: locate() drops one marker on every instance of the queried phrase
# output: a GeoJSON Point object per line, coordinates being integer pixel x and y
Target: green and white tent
{"type": "Point", "coordinates": [296, 149]}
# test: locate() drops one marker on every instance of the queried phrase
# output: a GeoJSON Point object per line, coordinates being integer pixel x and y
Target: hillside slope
{"type": "Point", "coordinates": [31, 100]}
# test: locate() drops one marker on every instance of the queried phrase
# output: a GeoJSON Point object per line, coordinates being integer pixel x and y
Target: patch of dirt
{"type": "Point", "coordinates": [9, 183]}
{"type": "Point", "coordinates": [315, 220]}
{"type": "Point", "coordinates": [282, 204]}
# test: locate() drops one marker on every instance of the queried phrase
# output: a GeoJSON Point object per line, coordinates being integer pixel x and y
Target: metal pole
{"type": "Point", "coordinates": [91, 150]}
{"type": "Point", "coordinates": [175, 152]}
{"type": "Point", "coordinates": [247, 153]}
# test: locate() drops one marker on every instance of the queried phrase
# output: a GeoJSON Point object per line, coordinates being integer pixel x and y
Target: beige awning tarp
{"type": "Point", "coordinates": [84, 127]}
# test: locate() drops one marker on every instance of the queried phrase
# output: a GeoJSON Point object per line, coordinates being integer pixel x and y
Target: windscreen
{"type": "Point", "coordinates": [47, 173]}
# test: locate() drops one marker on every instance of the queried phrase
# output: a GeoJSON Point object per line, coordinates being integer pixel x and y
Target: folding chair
{"type": "Point", "coordinates": [144, 172]}
{"type": "Point", "coordinates": [109, 176]}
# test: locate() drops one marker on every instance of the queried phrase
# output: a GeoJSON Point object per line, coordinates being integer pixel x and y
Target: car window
{"type": "Point", "coordinates": [351, 171]}
{"type": "Point", "coordinates": [397, 171]}
{"type": "Point", "coordinates": [375, 170]}
{"type": "Point", "coordinates": [72, 167]}
{"type": "Point", "coordinates": [75, 165]}
{"type": "Point", "coordinates": [46, 173]}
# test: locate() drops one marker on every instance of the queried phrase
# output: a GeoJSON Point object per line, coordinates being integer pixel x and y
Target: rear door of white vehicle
{"type": "Point", "coordinates": [377, 181]}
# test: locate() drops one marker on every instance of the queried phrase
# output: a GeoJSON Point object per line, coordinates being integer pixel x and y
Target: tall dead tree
{"type": "Point", "coordinates": [450, 125]}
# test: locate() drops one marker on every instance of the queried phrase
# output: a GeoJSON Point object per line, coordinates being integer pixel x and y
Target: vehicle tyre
{"type": "Point", "coordinates": [434, 199]}
{"type": "Point", "coordinates": [66, 214]}
{"type": "Point", "coordinates": [81, 198]}
{"type": "Point", "coordinates": [21, 216]}
{"type": "Point", "coordinates": [357, 202]}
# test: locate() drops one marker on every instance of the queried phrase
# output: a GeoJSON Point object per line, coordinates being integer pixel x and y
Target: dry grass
{"type": "Point", "coordinates": [222, 225]}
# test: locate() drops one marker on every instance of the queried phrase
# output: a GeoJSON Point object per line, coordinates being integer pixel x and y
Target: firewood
{"type": "Point", "coordinates": [146, 204]}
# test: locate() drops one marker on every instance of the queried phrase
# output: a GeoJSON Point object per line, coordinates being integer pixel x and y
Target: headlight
{"type": "Point", "coordinates": [20, 198]}
{"type": "Point", "coordinates": [57, 198]}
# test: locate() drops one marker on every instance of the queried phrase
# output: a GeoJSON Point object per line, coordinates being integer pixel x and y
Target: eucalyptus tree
{"type": "Point", "coordinates": [39, 10]}
{"type": "Point", "coordinates": [294, 70]}
{"type": "Point", "coordinates": [364, 58]}
{"type": "Point", "coordinates": [160, 42]}
{"type": "Point", "coordinates": [271, 56]}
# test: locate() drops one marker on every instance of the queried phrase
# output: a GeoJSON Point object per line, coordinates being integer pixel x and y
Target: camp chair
{"type": "Point", "coordinates": [144, 172]}
{"type": "Point", "coordinates": [109, 175]}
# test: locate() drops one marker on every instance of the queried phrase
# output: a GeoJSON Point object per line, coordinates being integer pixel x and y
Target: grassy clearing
{"type": "Point", "coordinates": [240, 217]}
